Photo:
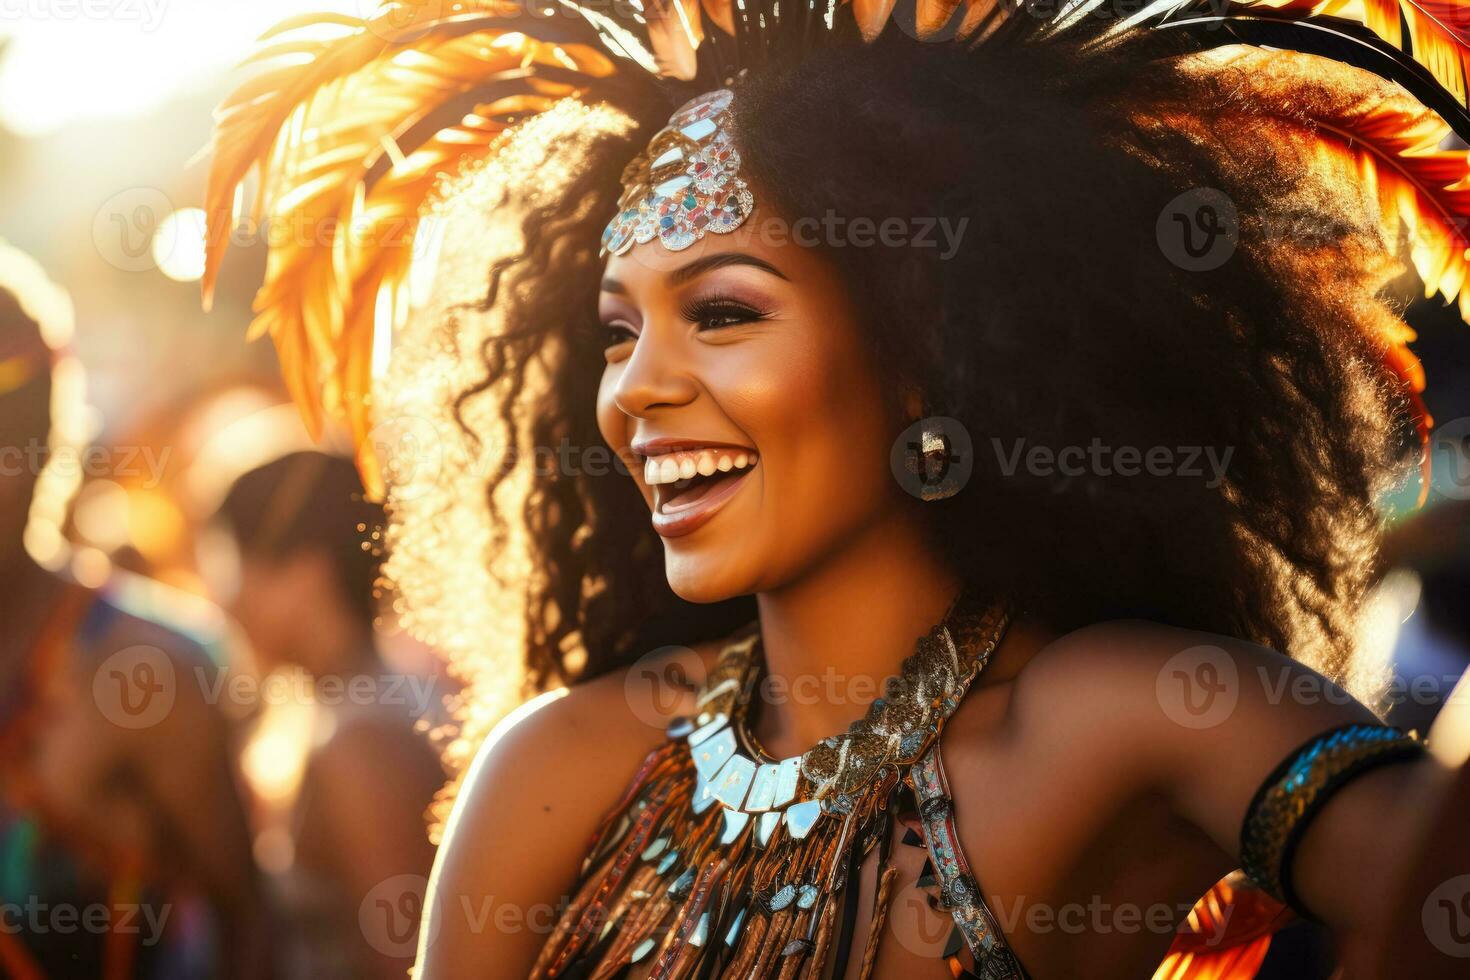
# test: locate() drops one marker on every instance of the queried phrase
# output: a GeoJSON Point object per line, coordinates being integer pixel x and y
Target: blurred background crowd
{"type": "Point", "coordinates": [219, 744]}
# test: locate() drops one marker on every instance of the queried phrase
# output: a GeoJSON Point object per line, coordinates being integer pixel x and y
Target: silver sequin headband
{"type": "Point", "coordinates": [686, 183]}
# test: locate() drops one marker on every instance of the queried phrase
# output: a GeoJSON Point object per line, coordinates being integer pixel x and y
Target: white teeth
{"type": "Point", "coordinates": [684, 465]}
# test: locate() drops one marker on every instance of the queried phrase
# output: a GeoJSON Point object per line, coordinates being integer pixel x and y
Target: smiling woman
{"type": "Point", "coordinates": [1075, 667]}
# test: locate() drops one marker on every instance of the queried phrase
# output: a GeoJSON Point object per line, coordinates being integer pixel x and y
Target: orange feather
{"type": "Point", "coordinates": [1365, 130]}
{"type": "Point", "coordinates": [1439, 30]}
{"type": "Point", "coordinates": [314, 131]}
{"type": "Point", "coordinates": [1226, 935]}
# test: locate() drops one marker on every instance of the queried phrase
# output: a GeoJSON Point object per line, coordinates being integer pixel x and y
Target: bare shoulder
{"type": "Point", "coordinates": [1159, 679]}
{"type": "Point", "coordinates": [1134, 740]}
{"type": "Point", "coordinates": [599, 729]}
{"type": "Point", "coordinates": [1120, 713]}
{"type": "Point", "coordinates": [531, 802]}
{"type": "Point", "coordinates": [133, 611]}
{"type": "Point", "coordinates": [1148, 706]}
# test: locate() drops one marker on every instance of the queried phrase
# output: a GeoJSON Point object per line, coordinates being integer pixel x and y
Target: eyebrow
{"type": "Point", "coordinates": [709, 263]}
{"type": "Point", "coordinates": [700, 266]}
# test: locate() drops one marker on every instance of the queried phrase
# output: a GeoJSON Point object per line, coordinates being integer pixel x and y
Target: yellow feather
{"type": "Point", "coordinates": [675, 31]}
{"type": "Point", "coordinates": [722, 14]}
{"type": "Point", "coordinates": [314, 131]}
{"type": "Point", "coordinates": [872, 16]}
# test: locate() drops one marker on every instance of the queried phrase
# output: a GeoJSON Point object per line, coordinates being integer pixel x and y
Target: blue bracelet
{"type": "Point", "coordinates": [1299, 787]}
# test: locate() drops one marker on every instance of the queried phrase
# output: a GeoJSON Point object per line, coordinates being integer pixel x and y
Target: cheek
{"type": "Point", "coordinates": [817, 414]}
{"type": "Point", "coordinates": [843, 435]}
{"type": "Point", "coordinates": [613, 424]}
{"type": "Point", "coordinates": [611, 421]}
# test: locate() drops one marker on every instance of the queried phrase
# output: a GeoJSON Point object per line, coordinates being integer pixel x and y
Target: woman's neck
{"type": "Point", "coordinates": [832, 637]}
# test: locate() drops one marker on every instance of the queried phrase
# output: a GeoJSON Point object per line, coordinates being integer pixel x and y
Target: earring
{"type": "Point", "coordinates": [935, 458]}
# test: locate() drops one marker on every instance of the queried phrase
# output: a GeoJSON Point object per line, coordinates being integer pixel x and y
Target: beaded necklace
{"type": "Point", "coordinates": [720, 861]}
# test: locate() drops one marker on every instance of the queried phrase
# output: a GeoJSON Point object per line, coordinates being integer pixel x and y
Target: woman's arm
{"type": "Point", "coordinates": [1209, 719]}
{"type": "Point", "coordinates": [514, 845]}
{"type": "Point", "coordinates": [1427, 934]}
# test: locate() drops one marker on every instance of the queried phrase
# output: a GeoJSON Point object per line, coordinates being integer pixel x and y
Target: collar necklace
{"type": "Point", "coordinates": [720, 861]}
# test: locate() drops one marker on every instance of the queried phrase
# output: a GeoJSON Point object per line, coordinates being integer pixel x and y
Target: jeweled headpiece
{"type": "Point", "coordinates": [686, 183]}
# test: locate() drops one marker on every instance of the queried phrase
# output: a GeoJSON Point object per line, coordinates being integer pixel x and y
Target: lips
{"type": "Point", "coordinates": [692, 483]}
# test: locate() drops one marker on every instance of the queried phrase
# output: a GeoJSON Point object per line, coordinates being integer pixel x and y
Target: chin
{"type": "Point", "coordinates": [705, 578]}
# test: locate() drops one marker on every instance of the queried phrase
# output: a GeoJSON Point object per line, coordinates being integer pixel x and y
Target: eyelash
{"type": "Point", "coordinates": [700, 311]}
{"type": "Point", "coordinates": [618, 334]}
{"type": "Point", "coordinates": [707, 308]}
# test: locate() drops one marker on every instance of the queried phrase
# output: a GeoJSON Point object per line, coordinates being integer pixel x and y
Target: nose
{"type": "Point", "coordinates": [656, 375]}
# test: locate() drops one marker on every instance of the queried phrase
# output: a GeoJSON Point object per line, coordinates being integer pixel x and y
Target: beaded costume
{"type": "Point", "coordinates": [720, 861]}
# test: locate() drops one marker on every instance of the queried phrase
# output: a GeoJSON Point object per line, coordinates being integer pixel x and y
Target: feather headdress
{"type": "Point", "coordinates": [352, 122]}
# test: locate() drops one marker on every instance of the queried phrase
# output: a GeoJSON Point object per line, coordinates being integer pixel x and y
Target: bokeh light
{"type": "Point", "coordinates": [136, 55]}
{"type": "Point", "coordinates": [178, 245]}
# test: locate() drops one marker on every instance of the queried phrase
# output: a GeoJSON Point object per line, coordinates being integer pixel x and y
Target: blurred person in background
{"type": "Point", "coordinates": [124, 849]}
{"type": "Point", "coordinates": [303, 590]}
{"type": "Point", "coordinates": [1431, 552]}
